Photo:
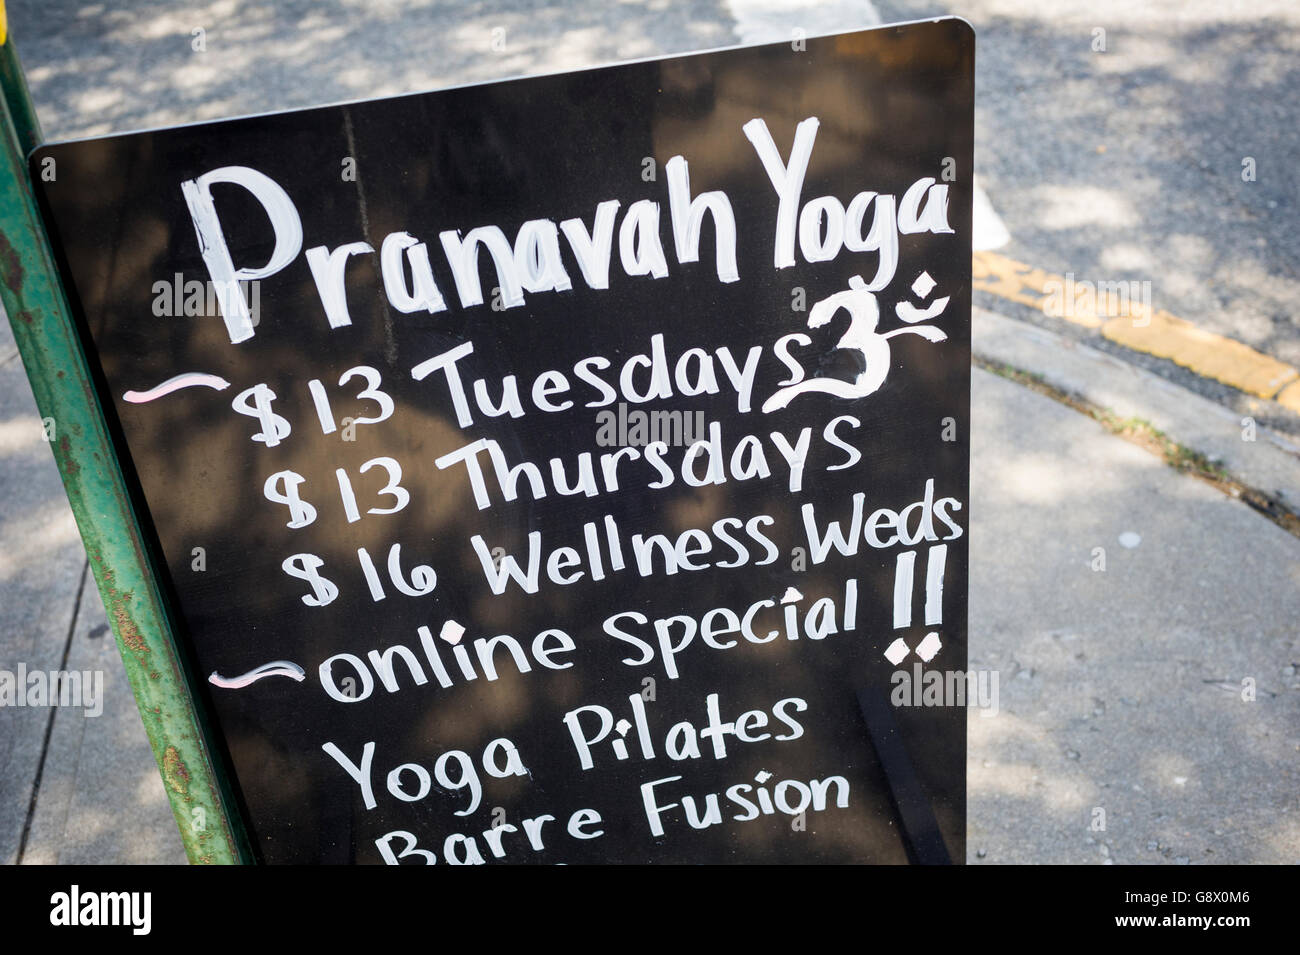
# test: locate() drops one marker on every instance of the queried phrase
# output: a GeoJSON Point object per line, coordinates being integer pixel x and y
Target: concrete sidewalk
{"type": "Point", "coordinates": [1121, 689]}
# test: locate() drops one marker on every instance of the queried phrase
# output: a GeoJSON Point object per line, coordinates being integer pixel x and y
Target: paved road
{"type": "Point", "coordinates": [1127, 164]}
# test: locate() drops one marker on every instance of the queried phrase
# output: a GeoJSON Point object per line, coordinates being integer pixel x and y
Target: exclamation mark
{"type": "Point", "coordinates": [904, 575]}
{"type": "Point", "coordinates": [903, 589]}
{"type": "Point", "coordinates": [934, 566]}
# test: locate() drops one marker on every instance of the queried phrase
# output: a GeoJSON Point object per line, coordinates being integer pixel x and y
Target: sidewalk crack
{"type": "Point", "coordinates": [49, 726]}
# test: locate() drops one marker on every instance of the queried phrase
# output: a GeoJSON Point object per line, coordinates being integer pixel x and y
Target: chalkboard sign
{"type": "Point", "coordinates": [570, 469]}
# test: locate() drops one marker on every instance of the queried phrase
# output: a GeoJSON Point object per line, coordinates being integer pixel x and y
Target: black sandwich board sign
{"type": "Point", "coordinates": [569, 469]}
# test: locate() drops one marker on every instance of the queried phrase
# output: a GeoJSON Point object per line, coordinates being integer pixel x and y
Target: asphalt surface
{"type": "Point", "coordinates": [1126, 165]}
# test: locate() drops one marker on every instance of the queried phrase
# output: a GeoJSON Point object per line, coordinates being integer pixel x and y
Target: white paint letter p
{"type": "Point", "coordinates": [212, 241]}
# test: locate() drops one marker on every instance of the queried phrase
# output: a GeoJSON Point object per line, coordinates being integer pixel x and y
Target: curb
{"type": "Point", "coordinates": [1138, 327]}
{"type": "Point", "coordinates": [1270, 463]}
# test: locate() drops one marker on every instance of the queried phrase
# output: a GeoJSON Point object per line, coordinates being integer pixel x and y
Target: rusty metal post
{"type": "Point", "coordinates": [51, 351]}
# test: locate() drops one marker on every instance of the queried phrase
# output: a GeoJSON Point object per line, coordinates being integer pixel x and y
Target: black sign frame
{"type": "Point", "coordinates": [920, 790]}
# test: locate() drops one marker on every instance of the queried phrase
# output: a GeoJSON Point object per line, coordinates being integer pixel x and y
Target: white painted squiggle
{"type": "Point", "coordinates": [911, 314]}
{"type": "Point", "coordinates": [190, 379]}
{"type": "Point", "coordinates": [274, 668]}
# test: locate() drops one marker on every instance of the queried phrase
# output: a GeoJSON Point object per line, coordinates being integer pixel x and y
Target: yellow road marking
{"type": "Point", "coordinates": [1141, 328]}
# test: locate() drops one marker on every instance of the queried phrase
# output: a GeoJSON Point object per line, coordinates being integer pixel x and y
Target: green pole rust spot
{"type": "Point", "coordinates": [175, 773]}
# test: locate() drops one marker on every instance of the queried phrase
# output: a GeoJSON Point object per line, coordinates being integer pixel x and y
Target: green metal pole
{"type": "Point", "coordinates": [51, 351]}
{"type": "Point", "coordinates": [21, 112]}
